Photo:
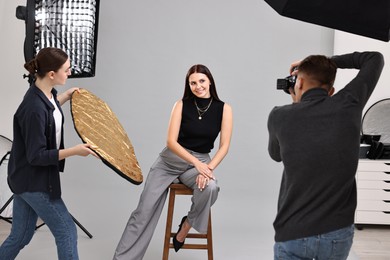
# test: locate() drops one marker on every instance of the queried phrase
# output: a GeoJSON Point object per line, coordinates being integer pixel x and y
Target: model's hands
{"type": "Point", "coordinates": [204, 170]}
{"type": "Point", "coordinates": [205, 175]}
{"type": "Point", "coordinates": [203, 181]}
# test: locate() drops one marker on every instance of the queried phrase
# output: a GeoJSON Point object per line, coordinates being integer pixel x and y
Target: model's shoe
{"type": "Point", "coordinates": [176, 244]}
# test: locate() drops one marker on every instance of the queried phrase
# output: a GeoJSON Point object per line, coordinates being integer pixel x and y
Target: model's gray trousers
{"type": "Point", "coordinates": [142, 223]}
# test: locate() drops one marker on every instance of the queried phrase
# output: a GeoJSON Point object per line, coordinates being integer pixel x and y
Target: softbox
{"type": "Point", "coordinates": [366, 18]}
{"type": "Point", "coordinates": [70, 25]}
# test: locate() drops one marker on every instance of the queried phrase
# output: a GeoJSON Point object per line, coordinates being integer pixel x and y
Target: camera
{"type": "Point", "coordinates": [287, 83]}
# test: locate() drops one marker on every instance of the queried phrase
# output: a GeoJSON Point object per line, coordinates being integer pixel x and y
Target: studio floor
{"type": "Point", "coordinates": [370, 243]}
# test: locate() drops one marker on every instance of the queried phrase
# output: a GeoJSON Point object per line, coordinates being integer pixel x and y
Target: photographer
{"type": "Point", "coordinates": [317, 139]}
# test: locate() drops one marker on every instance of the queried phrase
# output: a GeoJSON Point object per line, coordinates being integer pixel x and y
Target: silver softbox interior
{"type": "Point", "coordinates": [70, 25]}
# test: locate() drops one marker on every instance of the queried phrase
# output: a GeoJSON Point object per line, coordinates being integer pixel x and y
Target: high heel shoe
{"type": "Point", "coordinates": [176, 244]}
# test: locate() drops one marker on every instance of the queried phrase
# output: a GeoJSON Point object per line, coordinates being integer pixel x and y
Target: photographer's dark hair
{"type": "Point", "coordinates": [199, 68]}
{"type": "Point", "coordinates": [319, 68]}
{"type": "Point", "coordinates": [48, 59]}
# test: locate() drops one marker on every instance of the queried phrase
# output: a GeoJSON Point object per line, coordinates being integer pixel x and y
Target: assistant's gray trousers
{"type": "Point", "coordinates": [142, 223]}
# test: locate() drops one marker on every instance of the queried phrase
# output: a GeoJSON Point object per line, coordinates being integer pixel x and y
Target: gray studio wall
{"type": "Point", "coordinates": [144, 51]}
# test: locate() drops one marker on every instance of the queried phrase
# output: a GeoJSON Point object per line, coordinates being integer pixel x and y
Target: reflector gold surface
{"type": "Point", "coordinates": [96, 124]}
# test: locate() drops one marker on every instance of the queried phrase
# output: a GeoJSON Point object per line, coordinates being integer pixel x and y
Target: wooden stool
{"type": "Point", "coordinates": [181, 189]}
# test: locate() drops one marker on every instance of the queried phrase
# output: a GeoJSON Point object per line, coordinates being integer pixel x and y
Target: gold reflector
{"type": "Point", "coordinates": [97, 125]}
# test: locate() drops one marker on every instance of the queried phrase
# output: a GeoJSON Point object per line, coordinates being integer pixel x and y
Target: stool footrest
{"type": "Point", "coordinates": [192, 235]}
{"type": "Point", "coordinates": [192, 246]}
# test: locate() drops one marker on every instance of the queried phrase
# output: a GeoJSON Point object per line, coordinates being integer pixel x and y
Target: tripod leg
{"type": "Point", "coordinates": [4, 207]}
{"type": "Point", "coordinates": [39, 225]}
{"type": "Point", "coordinates": [9, 219]}
{"type": "Point", "coordinates": [6, 204]}
{"type": "Point", "coordinates": [81, 226]}
{"type": "Point", "coordinates": [74, 219]}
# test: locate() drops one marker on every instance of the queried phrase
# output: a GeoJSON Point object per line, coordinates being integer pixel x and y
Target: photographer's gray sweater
{"type": "Point", "coordinates": [317, 140]}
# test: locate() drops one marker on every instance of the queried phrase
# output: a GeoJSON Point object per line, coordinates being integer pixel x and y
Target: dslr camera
{"type": "Point", "coordinates": [286, 83]}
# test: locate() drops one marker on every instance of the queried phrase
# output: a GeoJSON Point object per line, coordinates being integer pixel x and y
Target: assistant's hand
{"type": "Point", "coordinates": [65, 96]}
{"type": "Point", "coordinates": [80, 149]}
{"type": "Point", "coordinates": [84, 150]}
{"type": "Point", "coordinates": [69, 92]}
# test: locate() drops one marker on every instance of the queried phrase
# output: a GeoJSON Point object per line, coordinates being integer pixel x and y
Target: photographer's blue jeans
{"type": "Point", "coordinates": [334, 245]}
{"type": "Point", "coordinates": [26, 209]}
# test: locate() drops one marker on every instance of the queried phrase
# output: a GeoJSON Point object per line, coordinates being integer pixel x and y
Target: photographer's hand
{"type": "Point", "coordinates": [294, 72]}
{"type": "Point", "coordinates": [293, 96]}
{"type": "Point", "coordinates": [294, 67]}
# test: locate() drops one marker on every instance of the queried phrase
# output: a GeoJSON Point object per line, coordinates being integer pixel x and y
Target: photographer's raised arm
{"type": "Point", "coordinates": [370, 65]}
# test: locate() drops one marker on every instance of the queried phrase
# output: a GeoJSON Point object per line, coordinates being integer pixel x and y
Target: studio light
{"type": "Point", "coordinates": [70, 25]}
{"type": "Point", "coordinates": [366, 18]}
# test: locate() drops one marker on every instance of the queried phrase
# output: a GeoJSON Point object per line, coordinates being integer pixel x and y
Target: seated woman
{"type": "Point", "coordinates": [196, 121]}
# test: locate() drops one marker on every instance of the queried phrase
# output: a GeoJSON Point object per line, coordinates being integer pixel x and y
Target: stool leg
{"type": "Point", "coordinates": [168, 227]}
{"type": "Point", "coordinates": [209, 240]}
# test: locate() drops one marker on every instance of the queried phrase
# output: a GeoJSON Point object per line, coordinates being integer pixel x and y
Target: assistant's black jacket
{"type": "Point", "coordinates": [33, 165]}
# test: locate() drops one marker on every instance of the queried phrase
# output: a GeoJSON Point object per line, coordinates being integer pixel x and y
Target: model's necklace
{"type": "Point", "coordinates": [202, 110]}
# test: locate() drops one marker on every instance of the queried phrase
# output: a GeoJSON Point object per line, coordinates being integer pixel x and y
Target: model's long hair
{"type": "Point", "coordinates": [199, 68]}
{"type": "Point", "coordinates": [48, 59]}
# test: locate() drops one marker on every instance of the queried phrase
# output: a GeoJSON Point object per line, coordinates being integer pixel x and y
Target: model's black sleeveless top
{"type": "Point", "coordinates": [199, 135]}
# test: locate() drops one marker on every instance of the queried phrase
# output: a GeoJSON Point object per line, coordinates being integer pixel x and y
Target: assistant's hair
{"type": "Point", "coordinates": [47, 59]}
{"type": "Point", "coordinates": [199, 68]}
{"type": "Point", "coordinates": [319, 68]}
